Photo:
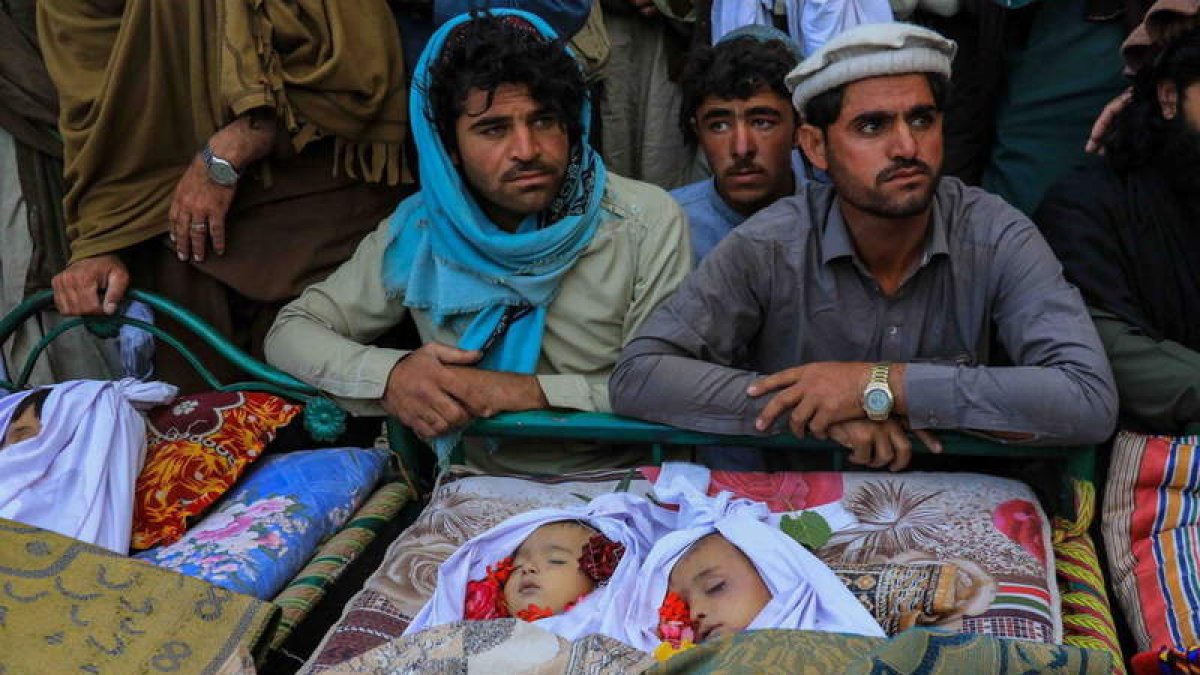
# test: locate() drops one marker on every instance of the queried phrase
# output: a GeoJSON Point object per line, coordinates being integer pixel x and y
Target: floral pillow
{"type": "Point", "coordinates": [267, 528]}
{"type": "Point", "coordinates": [196, 448]}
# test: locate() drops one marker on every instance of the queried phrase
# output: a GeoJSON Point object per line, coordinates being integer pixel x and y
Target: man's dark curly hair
{"type": "Point", "coordinates": [1138, 133]}
{"type": "Point", "coordinates": [823, 109]}
{"type": "Point", "coordinates": [733, 69]}
{"type": "Point", "coordinates": [492, 50]}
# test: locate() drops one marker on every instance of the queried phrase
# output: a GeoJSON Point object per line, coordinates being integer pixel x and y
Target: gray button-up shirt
{"type": "Point", "coordinates": [787, 288]}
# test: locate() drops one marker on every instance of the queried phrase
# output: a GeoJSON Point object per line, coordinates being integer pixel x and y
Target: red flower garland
{"type": "Point", "coordinates": [600, 558]}
{"type": "Point", "coordinates": [533, 613]}
{"type": "Point", "coordinates": [675, 623]}
{"type": "Point", "coordinates": [485, 597]}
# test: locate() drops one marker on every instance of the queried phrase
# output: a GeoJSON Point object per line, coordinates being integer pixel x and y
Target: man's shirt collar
{"type": "Point", "coordinates": [836, 242]}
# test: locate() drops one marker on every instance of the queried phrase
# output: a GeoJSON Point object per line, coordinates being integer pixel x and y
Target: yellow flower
{"type": "Point", "coordinates": [666, 650]}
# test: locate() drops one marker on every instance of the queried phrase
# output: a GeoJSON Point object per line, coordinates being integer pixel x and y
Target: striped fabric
{"type": "Point", "coordinates": [1152, 532]}
{"type": "Point", "coordinates": [1087, 616]}
{"type": "Point", "coordinates": [310, 585]}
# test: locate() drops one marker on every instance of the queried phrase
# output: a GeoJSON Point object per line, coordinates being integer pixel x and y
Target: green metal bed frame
{"type": "Point", "coordinates": [1078, 462]}
{"type": "Point", "coordinates": [323, 420]}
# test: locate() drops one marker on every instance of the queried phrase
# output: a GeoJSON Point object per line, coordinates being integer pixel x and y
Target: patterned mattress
{"type": "Point", "coordinates": [991, 529]}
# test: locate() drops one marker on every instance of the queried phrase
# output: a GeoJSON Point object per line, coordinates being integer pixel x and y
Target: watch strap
{"type": "Point", "coordinates": [210, 159]}
{"type": "Point", "coordinates": [878, 382]}
{"type": "Point", "coordinates": [879, 373]}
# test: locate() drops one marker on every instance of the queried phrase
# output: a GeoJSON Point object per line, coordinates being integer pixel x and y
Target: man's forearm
{"type": "Point", "coordinates": [299, 343]}
{"type": "Point", "coordinates": [1061, 404]}
{"type": "Point", "coordinates": [247, 139]}
{"type": "Point", "coordinates": [654, 382]}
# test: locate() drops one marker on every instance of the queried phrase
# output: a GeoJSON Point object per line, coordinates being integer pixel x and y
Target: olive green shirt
{"type": "Point", "coordinates": [640, 253]}
{"type": "Point", "coordinates": [1158, 380]}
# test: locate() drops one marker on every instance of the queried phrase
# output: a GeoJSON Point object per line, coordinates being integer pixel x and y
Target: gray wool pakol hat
{"type": "Point", "coordinates": [870, 50]}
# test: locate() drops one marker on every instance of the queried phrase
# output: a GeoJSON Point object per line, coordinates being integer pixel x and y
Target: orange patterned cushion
{"type": "Point", "coordinates": [196, 448]}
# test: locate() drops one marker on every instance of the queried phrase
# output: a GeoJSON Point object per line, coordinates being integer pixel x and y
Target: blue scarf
{"type": "Point", "coordinates": [448, 258]}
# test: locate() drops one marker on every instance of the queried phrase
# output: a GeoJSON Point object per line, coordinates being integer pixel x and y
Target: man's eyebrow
{"type": "Point", "coordinates": [873, 116]}
{"type": "Point", "coordinates": [489, 121]}
{"type": "Point", "coordinates": [714, 113]}
{"type": "Point", "coordinates": [764, 110]}
{"type": "Point", "coordinates": [921, 110]}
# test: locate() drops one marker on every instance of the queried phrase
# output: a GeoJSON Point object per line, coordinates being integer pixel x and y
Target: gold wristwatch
{"type": "Point", "coordinates": [877, 399]}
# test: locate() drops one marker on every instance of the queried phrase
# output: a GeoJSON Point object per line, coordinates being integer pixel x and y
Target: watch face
{"type": "Point", "coordinates": [222, 172]}
{"type": "Point", "coordinates": [877, 400]}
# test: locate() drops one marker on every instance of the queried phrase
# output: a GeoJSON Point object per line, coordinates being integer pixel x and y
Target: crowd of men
{"type": "Point", "coordinates": [827, 279]}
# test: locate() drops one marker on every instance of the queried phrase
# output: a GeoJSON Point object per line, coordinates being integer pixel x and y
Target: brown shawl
{"type": "Point", "coordinates": [143, 84]}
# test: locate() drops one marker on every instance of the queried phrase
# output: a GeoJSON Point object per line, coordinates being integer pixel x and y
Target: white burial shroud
{"type": "Point", "coordinates": [77, 476]}
{"type": "Point", "coordinates": [805, 593]}
{"type": "Point", "coordinates": [622, 517]}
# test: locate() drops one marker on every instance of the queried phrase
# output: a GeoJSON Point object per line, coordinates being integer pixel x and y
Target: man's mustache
{"type": "Point", "coordinates": [743, 167]}
{"type": "Point", "coordinates": [902, 165]}
{"type": "Point", "coordinates": [525, 169]}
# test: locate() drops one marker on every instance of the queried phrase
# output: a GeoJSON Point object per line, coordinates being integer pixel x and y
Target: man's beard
{"type": "Point", "coordinates": [871, 199]}
{"type": "Point", "coordinates": [1180, 161]}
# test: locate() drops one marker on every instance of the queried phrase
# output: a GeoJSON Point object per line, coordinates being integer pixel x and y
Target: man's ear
{"type": "Point", "coordinates": [1168, 99]}
{"type": "Point", "coordinates": [812, 141]}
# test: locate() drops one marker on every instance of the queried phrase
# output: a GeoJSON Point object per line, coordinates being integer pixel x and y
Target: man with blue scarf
{"type": "Point", "coordinates": [520, 250]}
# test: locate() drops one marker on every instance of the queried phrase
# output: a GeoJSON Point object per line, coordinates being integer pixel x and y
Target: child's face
{"type": "Point", "coordinates": [720, 585]}
{"type": "Point", "coordinates": [22, 427]}
{"type": "Point", "coordinates": [547, 570]}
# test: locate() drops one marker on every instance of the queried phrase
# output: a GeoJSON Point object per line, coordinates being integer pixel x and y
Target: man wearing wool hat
{"type": "Point", "coordinates": [892, 299]}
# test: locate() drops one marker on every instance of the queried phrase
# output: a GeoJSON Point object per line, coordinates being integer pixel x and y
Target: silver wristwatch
{"type": "Point", "coordinates": [877, 399]}
{"type": "Point", "coordinates": [220, 171]}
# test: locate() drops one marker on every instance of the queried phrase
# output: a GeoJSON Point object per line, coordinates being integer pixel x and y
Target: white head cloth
{"type": "Point", "coordinates": [810, 23]}
{"type": "Point", "coordinates": [76, 477]}
{"type": "Point", "coordinates": [805, 593]}
{"type": "Point", "coordinates": [622, 517]}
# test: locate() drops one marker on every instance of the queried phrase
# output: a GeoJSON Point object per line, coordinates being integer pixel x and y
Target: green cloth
{"type": "Point", "coordinates": [1159, 380]}
{"type": "Point", "coordinates": [914, 651]}
{"type": "Point", "coordinates": [70, 607]}
{"type": "Point", "coordinates": [1056, 87]}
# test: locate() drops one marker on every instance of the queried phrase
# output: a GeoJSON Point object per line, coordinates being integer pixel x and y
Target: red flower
{"type": "Point", "coordinates": [1018, 519]}
{"type": "Point", "coordinates": [485, 597]}
{"type": "Point", "coordinates": [484, 601]}
{"type": "Point", "coordinates": [675, 623]}
{"type": "Point", "coordinates": [676, 632]}
{"type": "Point", "coordinates": [790, 491]}
{"type": "Point", "coordinates": [600, 558]}
{"type": "Point", "coordinates": [533, 613]}
{"type": "Point", "coordinates": [501, 571]}
{"type": "Point", "coordinates": [674, 608]}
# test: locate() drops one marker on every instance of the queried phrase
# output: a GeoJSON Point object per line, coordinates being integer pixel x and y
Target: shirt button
{"type": "Point", "coordinates": [933, 420]}
{"type": "Point", "coordinates": [892, 330]}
